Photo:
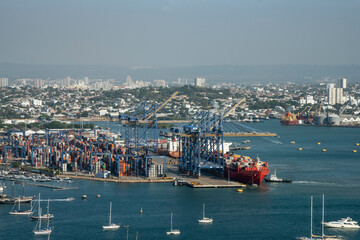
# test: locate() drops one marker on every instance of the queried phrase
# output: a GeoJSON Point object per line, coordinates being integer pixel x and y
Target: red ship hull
{"type": "Point", "coordinates": [248, 175]}
{"type": "Point", "coordinates": [285, 122]}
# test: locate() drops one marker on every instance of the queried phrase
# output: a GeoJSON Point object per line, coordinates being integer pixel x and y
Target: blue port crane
{"type": "Point", "coordinates": [202, 143]}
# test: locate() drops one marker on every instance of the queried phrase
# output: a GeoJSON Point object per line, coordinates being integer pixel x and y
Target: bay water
{"type": "Point", "coordinates": [270, 211]}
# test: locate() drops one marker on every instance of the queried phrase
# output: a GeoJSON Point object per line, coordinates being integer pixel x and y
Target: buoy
{"type": "Point", "coordinates": [239, 190]}
{"type": "Point", "coordinates": [84, 196]}
{"type": "Point", "coordinates": [299, 149]}
{"type": "Point", "coordinates": [98, 195]}
{"type": "Point", "coordinates": [141, 211]}
{"type": "Point", "coordinates": [292, 142]}
{"type": "Point", "coordinates": [324, 150]}
{"type": "Point", "coordinates": [357, 144]}
{"type": "Point", "coordinates": [318, 143]}
{"type": "Point", "coordinates": [354, 150]}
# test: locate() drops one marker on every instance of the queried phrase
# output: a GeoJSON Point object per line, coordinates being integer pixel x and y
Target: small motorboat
{"type": "Point", "coordinates": [274, 178]}
{"type": "Point", "coordinates": [342, 223]}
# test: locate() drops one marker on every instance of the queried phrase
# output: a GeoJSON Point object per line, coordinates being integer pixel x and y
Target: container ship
{"type": "Point", "coordinates": [246, 170]}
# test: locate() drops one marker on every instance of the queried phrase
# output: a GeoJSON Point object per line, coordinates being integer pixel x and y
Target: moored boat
{"type": "Point", "coordinates": [205, 219]}
{"type": "Point", "coordinates": [19, 211]}
{"type": "Point", "coordinates": [342, 223]}
{"type": "Point", "coordinates": [111, 226]}
{"type": "Point", "coordinates": [246, 170]}
{"type": "Point", "coordinates": [172, 231]}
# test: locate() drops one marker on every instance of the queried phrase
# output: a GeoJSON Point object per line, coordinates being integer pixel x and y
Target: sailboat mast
{"type": "Point", "coordinates": [13, 186]}
{"type": "Point", "coordinates": [48, 220]}
{"type": "Point", "coordinates": [110, 214]}
{"type": "Point", "coordinates": [39, 218]}
{"type": "Point", "coordinates": [23, 190]}
{"type": "Point", "coordinates": [48, 207]}
{"type": "Point", "coordinates": [203, 210]}
{"type": "Point", "coordinates": [171, 221]}
{"type": "Point", "coordinates": [311, 214]}
{"type": "Point", "coordinates": [39, 208]}
{"type": "Point", "coordinates": [323, 213]}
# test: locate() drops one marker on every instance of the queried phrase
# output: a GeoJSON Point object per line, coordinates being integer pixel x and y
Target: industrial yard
{"type": "Point", "coordinates": [140, 156]}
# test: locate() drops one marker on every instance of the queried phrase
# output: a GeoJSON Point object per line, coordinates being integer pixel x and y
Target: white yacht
{"type": "Point", "coordinates": [342, 223]}
{"type": "Point", "coordinates": [172, 231]}
{"type": "Point", "coordinates": [111, 226]}
{"type": "Point", "coordinates": [205, 219]}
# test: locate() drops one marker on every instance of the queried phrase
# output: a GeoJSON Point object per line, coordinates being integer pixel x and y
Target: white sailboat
{"type": "Point", "coordinates": [205, 219]}
{"type": "Point", "coordinates": [322, 224]}
{"type": "Point", "coordinates": [172, 231]}
{"type": "Point", "coordinates": [19, 211]}
{"type": "Point", "coordinates": [38, 229]}
{"type": "Point", "coordinates": [323, 236]}
{"type": "Point", "coordinates": [312, 236]}
{"type": "Point", "coordinates": [111, 226]}
{"type": "Point", "coordinates": [45, 216]}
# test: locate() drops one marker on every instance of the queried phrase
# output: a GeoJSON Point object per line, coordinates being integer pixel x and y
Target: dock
{"type": "Point", "coordinates": [206, 180]}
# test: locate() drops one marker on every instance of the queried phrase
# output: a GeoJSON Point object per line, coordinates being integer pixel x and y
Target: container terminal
{"type": "Point", "coordinates": [202, 158]}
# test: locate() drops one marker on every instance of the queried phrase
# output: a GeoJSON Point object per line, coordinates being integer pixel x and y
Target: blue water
{"type": "Point", "coordinates": [271, 211]}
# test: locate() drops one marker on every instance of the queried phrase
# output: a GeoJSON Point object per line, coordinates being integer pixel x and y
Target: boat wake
{"type": "Point", "coordinates": [315, 183]}
{"type": "Point", "coordinates": [273, 141]}
{"type": "Point", "coordinates": [60, 200]}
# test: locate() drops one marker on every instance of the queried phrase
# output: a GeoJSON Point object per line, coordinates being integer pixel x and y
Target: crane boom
{"type": "Point", "coordinates": [234, 107]}
{"type": "Point", "coordinates": [319, 108]}
{"type": "Point", "coordinates": [162, 105]}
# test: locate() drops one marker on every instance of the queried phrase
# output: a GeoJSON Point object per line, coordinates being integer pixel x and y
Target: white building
{"type": "Point", "coordinates": [335, 96]}
{"type": "Point", "coordinates": [4, 82]}
{"type": "Point", "coordinates": [129, 82]}
{"type": "Point", "coordinates": [330, 85]}
{"type": "Point", "coordinates": [38, 83]}
{"type": "Point", "coordinates": [342, 83]}
{"type": "Point", "coordinates": [307, 100]}
{"type": "Point", "coordinates": [25, 103]}
{"type": "Point", "coordinates": [160, 83]}
{"type": "Point", "coordinates": [102, 112]}
{"type": "Point", "coordinates": [200, 82]}
{"type": "Point", "coordinates": [37, 102]}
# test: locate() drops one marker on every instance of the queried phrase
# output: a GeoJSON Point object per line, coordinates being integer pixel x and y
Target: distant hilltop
{"type": "Point", "coordinates": [247, 74]}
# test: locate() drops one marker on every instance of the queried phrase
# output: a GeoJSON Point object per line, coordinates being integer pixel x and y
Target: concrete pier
{"type": "Point", "coordinates": [205, 181]}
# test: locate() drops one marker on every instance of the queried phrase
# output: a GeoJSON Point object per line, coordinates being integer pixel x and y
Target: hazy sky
{"type": "Point", "coordinates": [180, 32]}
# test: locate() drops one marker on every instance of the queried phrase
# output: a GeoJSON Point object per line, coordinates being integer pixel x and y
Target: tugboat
{"type": "Point", "coordinates": [274, 178]}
